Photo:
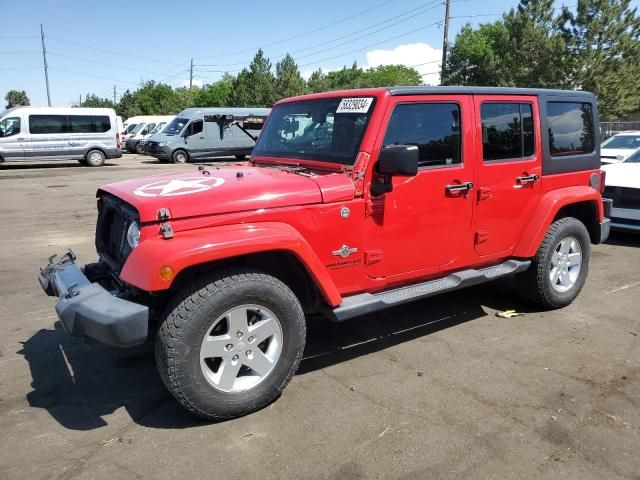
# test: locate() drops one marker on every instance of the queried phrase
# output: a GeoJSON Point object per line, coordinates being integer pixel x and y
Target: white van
{"type": "Point", "coordinates": [89, 135]}
{"type": "Point", "coordinates": [145, 125]}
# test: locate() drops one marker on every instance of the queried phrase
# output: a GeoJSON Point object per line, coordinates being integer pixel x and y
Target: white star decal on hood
{"type": "Point", "coordinates": [178, 186]}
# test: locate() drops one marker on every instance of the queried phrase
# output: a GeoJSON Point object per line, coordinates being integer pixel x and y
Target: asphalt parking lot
{"type": "Point", "coordinates": [440, 388]}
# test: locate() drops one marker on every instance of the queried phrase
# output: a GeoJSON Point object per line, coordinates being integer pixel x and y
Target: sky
{"type": "Point", "coordinates": [92, 46]}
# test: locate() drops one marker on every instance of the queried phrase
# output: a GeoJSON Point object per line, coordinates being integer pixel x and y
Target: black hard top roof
{"type": "Point", "coordinates": [541, 92]}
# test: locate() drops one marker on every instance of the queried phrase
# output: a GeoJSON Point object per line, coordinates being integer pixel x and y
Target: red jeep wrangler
{"type": "Point", "coordinates": [354, 201]}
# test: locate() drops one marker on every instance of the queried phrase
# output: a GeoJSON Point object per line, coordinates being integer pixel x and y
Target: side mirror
{"type": "Point", "coordinates": [395, 160]}
{"type": "Point", "coordinates": [399, 160]}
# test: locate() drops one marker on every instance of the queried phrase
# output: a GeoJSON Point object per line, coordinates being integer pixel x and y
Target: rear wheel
{"type": "Point", "coordinates": [561, 265]}
{"type": "Point", "coordinates": [230, 343]}
{"type": "Point", "coordinates": [95, 158]}
{"type": "Point", "coordinates": [179, 156]}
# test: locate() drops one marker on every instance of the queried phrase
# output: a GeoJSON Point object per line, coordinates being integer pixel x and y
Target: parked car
{"type": "Point", "coordinates": [143, 130]}
{"type": "Point", "coordinates": [89, 135]}
{"type": "Point", "coordinates": [622, 193]}
{"type": "Point", "coordinates": [416, 191]}
{"type": "Point", "coordinates": [197, 133]}
{"type": "Point", "coordinates": [615, 149]}
{"type": "Point", "coordinates": [141, 147]}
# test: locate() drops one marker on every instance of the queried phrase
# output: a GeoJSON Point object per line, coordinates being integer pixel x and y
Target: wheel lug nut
{"type": "Point", "coordinates": [239, 334]}
{"type": "Point", "coordinates": [250, 339]}
{"type": "Point", "coordinates": [248, 353]}
{"type": "Point", "coordinates": [235, 357]}
{"type": "Point", "coordinates": [228, 346]}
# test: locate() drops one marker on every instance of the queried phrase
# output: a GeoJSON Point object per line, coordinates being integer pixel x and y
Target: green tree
{"type": "Point", "coordinates": [128, 106]}
{"type": "Point", "coordinates": [289, 82]}
{"type": "Point", "coordinates": [476, 56]}
{"type": "Point", "coordinates": [156, 99]}
{"type": "Point", "coordinates": [389, 75]}
{"type": "Point", "coordinates": [255, 87]}
{"type": "Point", "coordinates": [216, 94]}
{"type": "Point", "coordinates": [604, 43]}
{"type": "Point", "coordinates": [92, 100]}
{"type": "Point", "coordinates": [317, 82]}
{"type": "Point", "coordinates": [16, 98]}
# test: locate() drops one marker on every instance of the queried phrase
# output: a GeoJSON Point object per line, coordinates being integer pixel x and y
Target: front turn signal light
{"type": "Point", "coordinates": [166, 273]}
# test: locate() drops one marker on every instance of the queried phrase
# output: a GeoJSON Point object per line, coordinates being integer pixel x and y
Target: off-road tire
{"type": "Point", "coordinates": [534, 285]}
{"type": "Point", "coordinates": [179, 156]}
{"type": "Point", "coordinates": [188, 318]}
{"type": "Point", "coordinates": [94, 158]}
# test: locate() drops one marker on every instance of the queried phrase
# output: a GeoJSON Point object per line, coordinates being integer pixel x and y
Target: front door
{"type": "Point", "coordinates": [196, 140]}
{"type": "Point", "coordinates": [509, 170]}
{"type": "Point", "coordinates": [423, 224]}
{"type": "Point", "coordinates": [12, 138]}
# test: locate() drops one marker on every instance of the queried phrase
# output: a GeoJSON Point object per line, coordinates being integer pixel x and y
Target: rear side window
{"type": "Point", "coordinates": [48, 123]}
{"type": "Point", "coordinates": [571, 129]}
{"type": "Point", "coordinates": [10, 126]}
{"type": "Point", "coordinates": [507, 131]}
{"type": "Point", "coordinates": [81, 124]}
{"type": "Point", "coordinates": [103, 123]}
{"type": "Point", "coordinates": [433, 127]}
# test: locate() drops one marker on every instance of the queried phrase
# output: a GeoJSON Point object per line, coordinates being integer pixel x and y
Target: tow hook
{"type": "Point", "coordinates": [165, 228]}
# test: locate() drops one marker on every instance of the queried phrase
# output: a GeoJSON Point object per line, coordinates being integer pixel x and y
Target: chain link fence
{"type": "Point", "coordinates": [608, 129]}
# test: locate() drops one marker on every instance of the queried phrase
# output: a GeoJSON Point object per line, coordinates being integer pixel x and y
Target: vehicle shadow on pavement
{"type": "Point", "coordinates": [624, 239]}
{"type": "Point", "coordinates": [79, 384]}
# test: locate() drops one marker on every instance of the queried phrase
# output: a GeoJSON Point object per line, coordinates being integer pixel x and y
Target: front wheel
{"type": "Point", "coordinates": [179, 156]}
{"type": "Point", "coordinates": [561, 265]}
{"type": "Point", "coordinates": [139, 148]}
{"type": "Point", "coordinates": [230, 343]}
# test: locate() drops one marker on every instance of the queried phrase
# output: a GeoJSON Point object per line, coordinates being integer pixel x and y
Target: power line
{"type": "Point", "coordinates": [112, 65]}
{"type": "Point", "coordinates": [112, 51]}
{"type": "Point", "coordinates": [293, 52]}
{"type": "Point", "coordinates": [323, 27]}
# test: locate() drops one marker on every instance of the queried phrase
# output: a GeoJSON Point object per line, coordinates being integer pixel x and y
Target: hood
{"type": "Point", "coordinates": [228, 189]}
{"type": "Point", "coordinates": [615, 154]}
{"type": "Point", "coordinates": [622, 175]}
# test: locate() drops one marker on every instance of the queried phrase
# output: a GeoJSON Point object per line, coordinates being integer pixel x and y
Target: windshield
{"type": "Point", "coordinates": [138, 127]}
{"type": "Point", "coordinates": [175, 126]}
{"type": "Point", "coordinates": [623, 141]}
{"type": "Point", "coordinates": [158, 128]}
{"type": "Point", "coordinates": [130, 128]}
{"type": "Point", "coordinates": [328, 130]}
{"type": "Point", "coordinates": [633, 158]}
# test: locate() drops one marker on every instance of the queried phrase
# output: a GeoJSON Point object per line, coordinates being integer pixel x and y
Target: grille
{"type": "Point", "coordinates": [623, 197]}
{"type": "Point", "coordinates": [114, 218]}
{"type": "Point", "coordinates": [152, 147]}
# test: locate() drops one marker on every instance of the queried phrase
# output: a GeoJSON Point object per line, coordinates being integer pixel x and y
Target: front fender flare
{"type": "Point", "coordinates": [549, 206]}
{"type": "Point", "coordinates": [196, 247]}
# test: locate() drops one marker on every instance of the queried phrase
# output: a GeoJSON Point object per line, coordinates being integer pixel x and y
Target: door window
{"type": "Point", "coordinates": [570, 128]}
{"type": "Point", "coordinates": [10, 126]}
{"type": "Point", "coordinates": [507, 131]}
{"type": "Point", "coordinates": [81, 124]}
{"type": "Point", "coordinates": [433, 127]}
{"type": "Point", "coordinates": [195, 127]}
{"type": "Point", "coordinates": [103, 123]}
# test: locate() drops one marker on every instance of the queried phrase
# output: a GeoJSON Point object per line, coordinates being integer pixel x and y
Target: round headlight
{"type": "Point", "coordinates": [133, 235]}
{"type": "Point", "coordinates": [163, 144]}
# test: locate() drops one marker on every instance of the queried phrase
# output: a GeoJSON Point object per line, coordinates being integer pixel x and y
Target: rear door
{"type": "Point", "coordinates": [424, 223]}
{"type": "Point", "coordinates": [509, 169]}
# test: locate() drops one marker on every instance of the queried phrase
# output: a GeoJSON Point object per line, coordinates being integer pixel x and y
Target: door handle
{"type": "Point", "coordinates": [527, 179]}
{"type": "Point", "coordinates": [20, 139]}
{"type": "Point", "coordinates": [463, 187]}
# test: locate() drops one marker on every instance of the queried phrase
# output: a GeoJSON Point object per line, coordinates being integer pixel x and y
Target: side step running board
{"type": "Point", "coordinates": [363, 303]}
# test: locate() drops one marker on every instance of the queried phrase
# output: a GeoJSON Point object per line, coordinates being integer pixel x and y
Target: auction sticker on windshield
{"type": "Point", "coordinates": [354, 105]}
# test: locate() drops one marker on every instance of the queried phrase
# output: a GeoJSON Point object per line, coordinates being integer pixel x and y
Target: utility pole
{"type": "Point", "coordinates": [445, 42]}
{"type": "Point", "coordinates": [46, 67]}
{"type": "Point", "coordinates": [191, 75]}
{"type": "Point", "coordinates": [114, 95]}
{"type": "Point", "coordinates": [80, 104]}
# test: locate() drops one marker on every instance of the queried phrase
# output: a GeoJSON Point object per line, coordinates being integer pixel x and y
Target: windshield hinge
{"type": "Point", "coordinates": [165, 228]}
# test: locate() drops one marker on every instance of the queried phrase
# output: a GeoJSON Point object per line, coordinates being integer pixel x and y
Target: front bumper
{"type": "Point", "coordinates": [622, 218]}
{"type": "Point", "coordinates": [87, 309]}
{"type": "Point", "coordinates": [161, 153]}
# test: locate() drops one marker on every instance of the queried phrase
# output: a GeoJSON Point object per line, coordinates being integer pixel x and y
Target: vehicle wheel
{"type": "Point", "coordinates": [241, 157]}
{"type": "Point", "coordinates": [95, 158]}
{"type": "Point", "coordinates": [139, 149]}
{"type": "Point", "coordinates": [179, 156]}
{"type": "Point", "coordinates": [561, 265]}
{"type": "Point", "coordinates": [230, 343]}
{"type": "Point", "coordinates": [82, 161]}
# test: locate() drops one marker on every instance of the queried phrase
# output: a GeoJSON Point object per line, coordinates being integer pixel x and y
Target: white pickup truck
{"type": "Point", "coordinates": [622, 193]}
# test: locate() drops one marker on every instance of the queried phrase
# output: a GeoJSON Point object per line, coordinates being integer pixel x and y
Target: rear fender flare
{"type": "Point", "coordinates": [197, 247]}
{"type": "Point", "coordinates": [549, 206]}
